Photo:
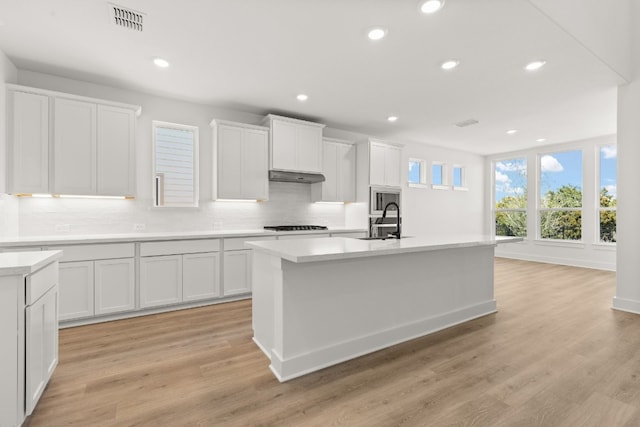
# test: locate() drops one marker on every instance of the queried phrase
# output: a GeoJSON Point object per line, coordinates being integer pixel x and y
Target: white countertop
{"type": "Point", "coordinates": [23, 263]}
{"type": "Point", "coordinates": [328, 249]}
{"type": "Point", "coordinates": [149, 237]}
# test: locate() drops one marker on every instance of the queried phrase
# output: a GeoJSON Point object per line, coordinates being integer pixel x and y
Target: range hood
{"type": "Point", "coordinates": [301, 177]}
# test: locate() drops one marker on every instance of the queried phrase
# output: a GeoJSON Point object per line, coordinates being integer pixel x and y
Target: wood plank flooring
{"type": "Point", "coordinates": [555, 354]}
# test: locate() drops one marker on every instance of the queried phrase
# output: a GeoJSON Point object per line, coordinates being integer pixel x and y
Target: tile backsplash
{"type": "Point", "coordinates": [289, 203]}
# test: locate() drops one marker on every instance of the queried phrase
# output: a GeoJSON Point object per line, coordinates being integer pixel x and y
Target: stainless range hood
{"type": "Point", "coordinates": [301, 177]}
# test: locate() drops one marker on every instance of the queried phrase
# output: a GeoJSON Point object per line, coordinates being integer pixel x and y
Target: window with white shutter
{"type": "Point", "coordinates": [175, 165]}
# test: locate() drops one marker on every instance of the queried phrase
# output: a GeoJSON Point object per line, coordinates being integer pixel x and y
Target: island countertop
{"type": "Point", "coordinates": [22, 263]}
{"type": "Point", "coordinates": [328, 249]}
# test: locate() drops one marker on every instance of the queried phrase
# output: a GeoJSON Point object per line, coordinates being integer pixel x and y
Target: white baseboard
{"type": "Point", "coordinates": [561, 261]}
{"type": "Point", "coordinates": [628, 305]}
{"type": "Point", "coordinates": [298, 365]}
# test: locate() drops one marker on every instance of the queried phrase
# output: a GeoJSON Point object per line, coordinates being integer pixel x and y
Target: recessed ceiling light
{"type": "Point", "coordinates": [377, 33]}
{"type": "Point", "coordinates": [392, 118]}
{"type": "Point", "coordinates": [302, 97]}
{"type": "Point", "coordinates": [160, 62]}
{"type": "Point", "coordinates": [431, 6]}
{"type": "Point", "coordinates": [541, 139]}
{"type": "Point", "coordinates": [535, 65]}
{"type": "Point", "coordinates": [511, 131]}
{"type": "Point", "coordinates": [450, 64]}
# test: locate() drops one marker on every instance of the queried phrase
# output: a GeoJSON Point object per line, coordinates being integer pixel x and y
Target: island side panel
{"type": "Point", "coordinates": [333, 311]}
{"type": "Point", "coordinates": [266, 276]}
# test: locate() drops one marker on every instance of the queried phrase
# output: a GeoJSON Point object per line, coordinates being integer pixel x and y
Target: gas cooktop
{"type": "Point", "coordinates": [294, 227]}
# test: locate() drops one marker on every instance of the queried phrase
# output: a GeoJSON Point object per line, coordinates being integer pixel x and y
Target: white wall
{"type": "Point", "coordinates": [589, 252]}
{"type": "Point", "coordinates": [603, 28]}
{"type": "Point", "coordinates": [425, 210]}
{"type": "Point", "coordinates": [628, 274]}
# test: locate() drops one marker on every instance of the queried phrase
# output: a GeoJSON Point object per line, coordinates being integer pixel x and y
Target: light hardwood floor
{"type": "Point", "coordinates": [555, 354]}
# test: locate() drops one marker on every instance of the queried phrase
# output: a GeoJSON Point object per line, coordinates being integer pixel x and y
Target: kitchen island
{"type": "Point", "coordinates": [318, 302]}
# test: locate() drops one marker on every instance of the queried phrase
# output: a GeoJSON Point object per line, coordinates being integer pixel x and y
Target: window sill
{"type": "Point", "coordinates": [609, 247]}
{"type": "Point", "coordinates": [460, 189]}
{"type": "Point", "coordinates": [415, 185]}
{"type": "Point", "coordinates": [575, 244]}
{"type": "Point", "coordinates": [440, 187]}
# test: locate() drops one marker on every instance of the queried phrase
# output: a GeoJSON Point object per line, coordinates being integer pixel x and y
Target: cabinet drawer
{"type": "Point", "coordinates": [40, 282]}
{"type": "Point", "coordinates": [237, 243]}
{"type": "Point", "coordinates": [179, 247]}
{"type": "Point", "coordinates": [94, 252]}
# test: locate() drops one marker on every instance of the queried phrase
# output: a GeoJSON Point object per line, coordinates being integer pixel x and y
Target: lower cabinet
{"type": "Point", "coordinates": [41, 346]}
{"type": "Point", "coordinates": [179, 271]}
{"type": "Point", "coordinates": [76, 290]}
{"type": "Point", "coordinates": [237, 272]}
{"type": "Point", "coordinates": [114, 285]}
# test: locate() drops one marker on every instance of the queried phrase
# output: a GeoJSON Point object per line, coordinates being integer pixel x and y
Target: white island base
{"type": "Point", "coordinates": [314, 311]}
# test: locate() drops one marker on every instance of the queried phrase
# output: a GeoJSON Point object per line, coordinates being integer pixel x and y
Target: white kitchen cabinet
{"type": "Point", "coordinates": [160, 280]}
{"type": "Point", "coordinates": [76, 290]}
{"type": "Point", "coordinates": [114, 285]}
{"type": "Point", "coordinates": [74, 147]}
{"type": "Point", "coordinates": [67, 144]}
{"type": "Point", "coordinates": [116, 163]}
{"type": "Point", "coordinates": [296, 145]}
{"type": "Point", "coordinates": [339, 170]}
{"type": "Point", "coordinates": [241, 159]}
{"type": "Point", "coordinates": [200, 276]}
{"type": "Point", "coordinates": [41, 346]}
{"type": "Point", "coordinates": [385, 167]}
{"type": "Point", "coordinates": [237, 272]}
{"type": "Point", "coordinates": [28, 143]}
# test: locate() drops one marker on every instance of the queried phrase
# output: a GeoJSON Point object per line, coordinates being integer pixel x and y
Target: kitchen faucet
{"type": "Point", "coordinates": [384, 215]}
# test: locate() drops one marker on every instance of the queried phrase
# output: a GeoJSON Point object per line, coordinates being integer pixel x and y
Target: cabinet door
{"type": "Point", "coordinates": [283, 145]}
{"type": "Point", "coordinates": [76, 290]}
{"type": "Point", "coordinates": [116, 151]}
{"type": "Point", "coordinates": [377, 162]}
{"type": "Point", "coordinates": [255, 176]}
{"type": "Point", "coordinates": [160, 280]}
{"type": "Point", "coordinates": [41, 346]}
{"type": "Point", "coordinates": [29, 143]}
{"type": "Point", "coordinates": [330, 171]}
{"type": "Point", "coordinates": [229, 162]}
{"type": "Point", "coordinates": [237, 272]}
{"type": "Point", "coordinates": [309, 144]}
{"type": "Point", "coordinates": [392, 166]}
{"type": "Point", "coordinates": [346, 156]}
{"type": "Point", "coordinates": [114, 286]}
{"type": "Point", "coordinates": [74, 147]}
{"type": "Point", "coordinates": [200, 276]}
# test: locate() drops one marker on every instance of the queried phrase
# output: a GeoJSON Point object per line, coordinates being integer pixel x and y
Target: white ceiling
{"type": "Point", "coordinates": [256, 55]}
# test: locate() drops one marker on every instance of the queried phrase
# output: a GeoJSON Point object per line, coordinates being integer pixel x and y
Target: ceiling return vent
{"type": "Point", "coordinates": [126, 18]}
{"type": "Point", "coordinates": [466, 123]}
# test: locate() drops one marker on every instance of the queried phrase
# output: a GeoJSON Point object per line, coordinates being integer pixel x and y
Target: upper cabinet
{"type": "Point", "coordinates": [240, 161]}
{"type": "Point", "coordinates": [379, 163]}
{"type": "Point", "coordinates": [339, 170]}
{"type": "Point", "coordinates": [66, 144]}
{"type": "Point", "coordinates": [296, 145]}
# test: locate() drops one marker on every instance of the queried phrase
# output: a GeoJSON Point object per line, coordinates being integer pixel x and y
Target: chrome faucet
{"type": "Point", "coordinates": [384, 215]}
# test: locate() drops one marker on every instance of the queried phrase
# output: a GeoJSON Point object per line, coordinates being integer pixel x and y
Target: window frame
{"type": "Point", "coordinates": [423, 173]}
{"type": "Point", "coordinates": [540, 209]}
{"type": "Point", "coordinates": [600, 209]}
{"type": "Point", "coordinates": [463, 178]}
{"type": "Point", "coordinates": [155, 124]}
{"type": "Point", "coordinates": [444, 176]}
{"type": "Point", "coordinates": [524, 210]}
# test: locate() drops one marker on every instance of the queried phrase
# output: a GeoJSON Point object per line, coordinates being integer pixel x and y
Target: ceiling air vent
{"type": "Point", "coordinates": [126, 18]}
{"type": "Point", "coordinates": [466, 123]}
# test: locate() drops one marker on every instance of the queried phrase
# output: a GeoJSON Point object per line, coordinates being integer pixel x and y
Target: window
{"type": "Point", "coordinates": [175, 165]}
{"type": "Point", "coordinates": [417, 173]}
{"type": "Point", "coordinates": [459, 178]}
{"type": "Point", "coordinates": [510, 181]}
{"type": "Point", "coordinates": [608, 193]}
{"type": "Point", "coordinates": [438, 176]}
{"type": "Point", "coordinates": [560, 207]}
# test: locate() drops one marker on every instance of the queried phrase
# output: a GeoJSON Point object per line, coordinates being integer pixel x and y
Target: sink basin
{"type": "Point", "coordinates": [383, 238]}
